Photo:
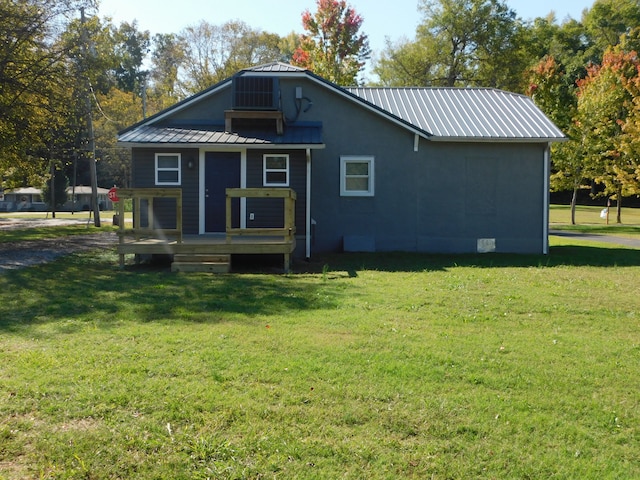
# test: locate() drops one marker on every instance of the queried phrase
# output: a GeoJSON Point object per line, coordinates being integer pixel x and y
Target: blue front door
{"type": "Point", "coordinates": [221, 171]}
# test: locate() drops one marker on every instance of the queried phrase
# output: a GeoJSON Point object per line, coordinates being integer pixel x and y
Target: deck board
{"type": "Point", "coordinates": [209, 244]}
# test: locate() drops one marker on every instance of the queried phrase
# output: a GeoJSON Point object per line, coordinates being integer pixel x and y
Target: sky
{"type": "Point", "coordinates": [393, 20]}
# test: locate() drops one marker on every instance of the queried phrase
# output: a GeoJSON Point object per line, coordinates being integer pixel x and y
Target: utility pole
{"type": "Point", "coordinates": [53, 187]}
{"type": "Point", "coordinates": [91, 147]}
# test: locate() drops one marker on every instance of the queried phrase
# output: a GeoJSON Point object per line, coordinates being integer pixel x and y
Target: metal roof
{"type": "Point", "coordinates": [444, 114]}
{"type": "Point", "coordinates": [472, 114]}
{"type": "Point", "coordinates": [301, 134]}
{"type": "Point", "coordinates": [24, 191]}
{"type": "Point", "coordinates": [275, 67]}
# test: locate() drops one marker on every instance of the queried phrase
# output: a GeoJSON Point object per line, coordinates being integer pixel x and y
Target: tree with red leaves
{"type": "Point", "coordinates": [607, 114]}
{"type": "Point", "coordinates": [333, 46]}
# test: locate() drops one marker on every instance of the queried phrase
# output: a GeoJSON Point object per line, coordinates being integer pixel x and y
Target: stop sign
{"type": "Point", "coordinates": [113, 194]}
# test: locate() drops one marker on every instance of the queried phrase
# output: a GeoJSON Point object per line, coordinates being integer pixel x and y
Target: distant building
{"type": "Point", "coordinates": [29, 199]}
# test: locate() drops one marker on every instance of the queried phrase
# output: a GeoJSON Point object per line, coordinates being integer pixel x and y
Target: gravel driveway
{"type": "Point", "coordinates": [32, 252]}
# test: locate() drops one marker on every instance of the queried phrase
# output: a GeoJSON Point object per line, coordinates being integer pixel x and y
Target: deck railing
{"type": "Point", "coordinates": [152, 240]}
{"type": "Point", "coordinates": [143, 199]}
{"type": "Point", "coordinates": [288, 230]}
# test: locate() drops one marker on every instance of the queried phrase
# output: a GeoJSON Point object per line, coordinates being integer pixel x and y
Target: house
{"type": "Point", "coordinates": [79, 198]}
{"type": "Point", "coordinates": [30, 199]}
{"type": "Point", "coordinates": [372, 169]}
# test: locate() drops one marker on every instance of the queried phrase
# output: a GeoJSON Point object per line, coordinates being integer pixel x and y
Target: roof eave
{"type": "Point", "coordinates": [179, 106]}
{"type": "Point", "coordinates": [498, 139]}
{"type": "Point", "coordinates": [239, 146]}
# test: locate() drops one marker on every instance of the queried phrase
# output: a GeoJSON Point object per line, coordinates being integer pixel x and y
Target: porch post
{"type": "Point", "coordinates": [308, 209]}
{"type": "Point", "coordinates": [201, 194]}
{"type": "Point", "coordinates": [545, 213]}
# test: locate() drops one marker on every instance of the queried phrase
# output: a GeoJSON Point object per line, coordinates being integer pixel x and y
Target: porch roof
{"type": "Point", "coordinates": [307, 135]}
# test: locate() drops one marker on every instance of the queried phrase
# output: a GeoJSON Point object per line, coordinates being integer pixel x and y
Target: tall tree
{"type": "Point", "coordinates": [405, 63]}
{"type": "Point", "coordinates": [117, 110]}
{"type": "Point", "coordinates": [216, 52]}
{"type": "Point", "coordinates": [554, 92]}
{"type": "Point", "coordinates": [606, 100]}
{"type": "Point", "coordinates": [607, 20]}
{"type": "Point", "coordinates": [33, 78]}
{"type": "Point", "coordinates": [460, 43]}
{"type": "Point", "coordinates": [168, 54]}
{"type": "Point", "coordinates": [568, 44]}
{"type": "Point", "coordinates": [333, 46]}
{"type": "Point", "coordinates": [54, 189]}
{"type": "Point", "coordinates": [131, 47]}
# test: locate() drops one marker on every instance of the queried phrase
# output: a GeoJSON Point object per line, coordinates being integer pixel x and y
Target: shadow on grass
{"type": "Point", "coordinates": [566, 255]}
{"type": "Point", "coordinates": [93, 289]}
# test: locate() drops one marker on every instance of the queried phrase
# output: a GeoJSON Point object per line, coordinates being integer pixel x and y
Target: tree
{"type": "Point", "coordinates": [404, 63]}
{"type": "Point", "coordinates": [459, 43]}
{"type": "Point", "coordinates": [333, 46]}
{"type": "Point", "coordinates": [216, 52]}
{"type": "Point", "coordinates": [33, 80]}
{"type": "Point", "coordinates": [568, 43]}
{"type": "Point", "coordinates": [117, 110]}
{"type": "Point", "coordinates": [554, 93]}
{"type": "Point", "coordinates": [606, 103]}
{"type": "Point", "coordinates": [130, 48]}
{"type": "Point", "coordinates": [54, 190]}
{"type": "Point", "coordinates": [607, 20]}
{"type": "Point", "coordinates": [288, 46]}
{"type": "Point", "coordinates": [168, 54]}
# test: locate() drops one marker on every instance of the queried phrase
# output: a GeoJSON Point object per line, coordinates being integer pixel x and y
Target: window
{"type": "Point", "coordinates": [276, 171]}
{"type": "Point", "coordinates": [356, 176]}
{"type": "Point", "coordinates": [168, 169]}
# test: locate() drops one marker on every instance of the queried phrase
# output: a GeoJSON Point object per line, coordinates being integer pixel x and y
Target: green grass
{"type": "Point", "coordinates": [55, 231]}
{"type": "Point", "coordinates": [358, 366]}
{"type": "Point", "coordinates": [104, 214]}
{"type": "Point", "coordinates": [588, 220]}
{"type": "Point", "coordinates": [41, 233]}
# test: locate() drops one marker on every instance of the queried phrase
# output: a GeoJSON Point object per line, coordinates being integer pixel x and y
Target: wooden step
{"type": "Point", "coordinates": [201, 257]}
{"type": "Point", "coordinates": [208, 263]}
{"type": "Point", "coordinates": [207, 267]}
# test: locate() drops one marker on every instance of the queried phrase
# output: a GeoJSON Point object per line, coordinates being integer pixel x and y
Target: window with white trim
{"type": "Point", "coordinates": [276, 170]}
{"type": "Point", "coordinates": [168, 171]}
{"type": "Point", "coordinates": [356, 176]}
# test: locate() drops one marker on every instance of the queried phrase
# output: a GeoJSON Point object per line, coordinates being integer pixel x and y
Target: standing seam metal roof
{"type": "Point", "coordinates": [453, 114]}
{"type": "Point", "coordinates": [310, 134]}
{"type": "Point", "coordinates": [464, 113]}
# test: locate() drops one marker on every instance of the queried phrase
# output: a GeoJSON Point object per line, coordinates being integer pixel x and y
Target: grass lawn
{"type": "Point", "coordinates": [84, 226]}
{"type": "Point", "coordinates": [105, 215]}
{"type": "Point", "coordinates": [588, 220]}
{"type": "Point", "coordinates": [361, 366]}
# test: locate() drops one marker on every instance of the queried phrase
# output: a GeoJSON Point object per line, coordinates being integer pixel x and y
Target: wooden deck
{"type": "Point", "coordinates": [209, 245]}
{"type": "Point", "coordinates": [147, 240]}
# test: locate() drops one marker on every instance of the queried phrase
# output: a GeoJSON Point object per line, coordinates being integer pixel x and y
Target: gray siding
{"type": "Point", "coordinates": [144, 177]}
{"type": "Point", "coordinates": [442, 198]}
{"type": "Point", "coordinates": [206, 111]}
{"type": "Point", "coordinates": [268, 212]}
